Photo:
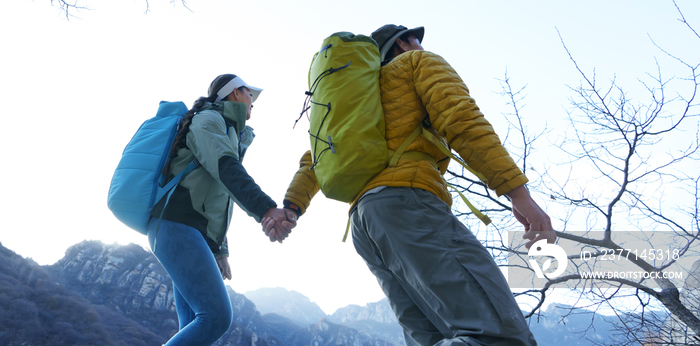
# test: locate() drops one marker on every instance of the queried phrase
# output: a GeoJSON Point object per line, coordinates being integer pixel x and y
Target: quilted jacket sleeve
{"type": "Point", "coordinates": [303, 186]}
{"type": "Point", "coordinates": [455, 115]}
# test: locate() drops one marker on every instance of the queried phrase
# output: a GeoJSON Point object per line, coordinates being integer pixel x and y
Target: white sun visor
{"type": "Point", "coordinates": [235, 84]}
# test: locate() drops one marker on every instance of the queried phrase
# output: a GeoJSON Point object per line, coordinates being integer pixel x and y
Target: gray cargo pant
{"type": "Point", "coordinates": [442, 284]}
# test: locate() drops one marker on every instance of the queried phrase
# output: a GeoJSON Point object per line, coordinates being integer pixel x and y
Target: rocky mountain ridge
{"type": "Point", "coordinates": [378, 312]}
{"type": "Point", "coordinates": [36, 309]}
{"type": "Point", "coordinates": [374, 320]}
{"type": "Point", "coordinates": [121, 295]}
{"type": "Point", "coordinates": [129, 282]}
{"type": "Point", "coordinates": [125, 278]}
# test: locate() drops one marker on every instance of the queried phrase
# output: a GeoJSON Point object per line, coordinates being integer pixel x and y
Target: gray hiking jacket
{"type": "Point", "coordinates": [218, 138]}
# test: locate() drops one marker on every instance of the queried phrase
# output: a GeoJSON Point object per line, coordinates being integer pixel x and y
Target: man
{"type": "Point", "coordinates": [443, 285]}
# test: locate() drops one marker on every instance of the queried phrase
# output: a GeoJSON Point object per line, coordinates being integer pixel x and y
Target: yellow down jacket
{"type": "Point", "coordinates": [416, 85]}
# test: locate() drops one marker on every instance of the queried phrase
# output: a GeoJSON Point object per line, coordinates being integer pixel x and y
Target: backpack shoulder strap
{"type": "Point", "coordinates": [176, 180]}
{"type": "Point", "coordinates": [395, 156]}
{"type": "Point", "coordinates": [423, 129]}
{"type": "Point", "coordinates": [445, 150]}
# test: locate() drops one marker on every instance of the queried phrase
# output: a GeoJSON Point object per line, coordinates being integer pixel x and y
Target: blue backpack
{"type": "Point", "coordinates": [139, 182]}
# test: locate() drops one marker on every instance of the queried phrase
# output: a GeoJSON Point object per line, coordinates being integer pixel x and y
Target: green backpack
{"type": "Point", "coordinates": [347, 129]}
{"type": "Point", "coordinates": [345, 113]}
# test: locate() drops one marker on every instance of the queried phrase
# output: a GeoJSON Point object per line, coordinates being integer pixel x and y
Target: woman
{"type": "Point", "coordinates": [189, 239]}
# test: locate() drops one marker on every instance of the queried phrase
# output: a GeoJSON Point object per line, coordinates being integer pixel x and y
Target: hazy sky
{"type": "Point", "coordinates": [74, 92]}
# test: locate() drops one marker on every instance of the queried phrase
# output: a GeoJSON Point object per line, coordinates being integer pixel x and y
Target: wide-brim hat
{"type": "Point", "coordinates": [387, 35]}
{"type": "Point", "coordinates": [235, 84]}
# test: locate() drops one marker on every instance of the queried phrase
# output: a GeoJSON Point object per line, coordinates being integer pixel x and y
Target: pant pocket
{"type": "Point", "coordinates": [496, 293]}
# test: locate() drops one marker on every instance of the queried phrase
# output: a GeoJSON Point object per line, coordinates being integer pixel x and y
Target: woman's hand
{"type": "Point", "coordinates": [224, 267]}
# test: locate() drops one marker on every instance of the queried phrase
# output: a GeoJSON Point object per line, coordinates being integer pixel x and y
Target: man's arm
{"type": "Point", "coordinates": [456, 117]}
{"type": "Point", "coordinates": [303, 187]}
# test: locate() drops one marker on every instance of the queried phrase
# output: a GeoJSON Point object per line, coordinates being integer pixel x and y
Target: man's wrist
{"type": "Point", "coordinates": [520, 191]}
{"type": "Point", "coordinates": [293, 207]}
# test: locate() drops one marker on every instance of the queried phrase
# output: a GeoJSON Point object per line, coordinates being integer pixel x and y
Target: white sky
{"type": "Point", "coordinates": [74, 92]}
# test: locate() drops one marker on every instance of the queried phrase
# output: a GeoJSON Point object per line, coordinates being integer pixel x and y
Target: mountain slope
{"type": "Point", "coordinates": [123, 290]}
{"type": "Point", "coordinates": [379, 312]}
{"type": "Point", "coordinates": [374, 319]}
{"type": "Point", "coordinates": [326, 333]}
{"type": "Point", "coordinates": [130, 281]}
{"type": "Point", "coordinates": [36, 310]}
{"type": "Point", "coordinates": [126, 278]}
{"type": "Point", "coordinates": [120, 295]}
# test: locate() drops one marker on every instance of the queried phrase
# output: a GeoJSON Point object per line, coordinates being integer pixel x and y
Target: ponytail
{"type": "Point", "coordinates": [180, 138]}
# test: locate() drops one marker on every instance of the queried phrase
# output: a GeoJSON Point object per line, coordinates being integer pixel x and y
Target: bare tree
{"type": "Point", "coordinates": [627, 175]}
{"type": "Point", "coordinates": [69, 8]}
{"type": "Point", "coordinates": [660, 328]}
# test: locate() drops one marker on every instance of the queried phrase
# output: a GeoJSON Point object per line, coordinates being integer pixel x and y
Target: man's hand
{"type": "Point", "coordinates": [537, 224]}
{"type": "Point", "coordinates": [224, 267]}
{"type": "Point", "coordinates": [278, 223]}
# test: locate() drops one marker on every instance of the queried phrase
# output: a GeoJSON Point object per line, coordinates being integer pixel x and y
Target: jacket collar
{"type": "Point", "coordinates": [235, 112]}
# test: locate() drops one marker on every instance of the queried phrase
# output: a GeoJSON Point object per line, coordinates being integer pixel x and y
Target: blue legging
{"type": "Point", "coordinates": [201, 301]}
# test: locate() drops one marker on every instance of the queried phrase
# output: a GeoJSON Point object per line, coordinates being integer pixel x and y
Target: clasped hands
{"type": "Point", "coordinates": [277, 223]}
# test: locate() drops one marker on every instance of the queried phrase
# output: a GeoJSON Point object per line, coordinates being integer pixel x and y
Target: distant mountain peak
{"type": "Point", "coordinates": [378, 311]}
{"type": "Point", "coordinates": [290, 304]}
